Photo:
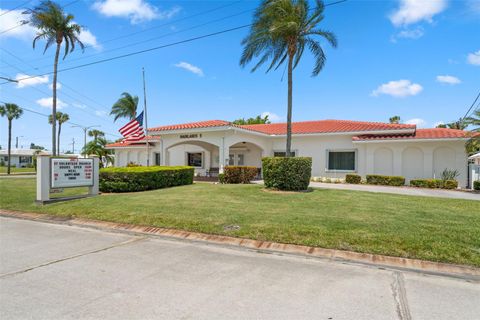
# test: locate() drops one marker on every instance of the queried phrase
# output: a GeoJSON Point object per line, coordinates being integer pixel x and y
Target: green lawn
{"type": "Point", "coordinates": [16, 170]}
{"type": "Point", "coordinates": [434, 229]}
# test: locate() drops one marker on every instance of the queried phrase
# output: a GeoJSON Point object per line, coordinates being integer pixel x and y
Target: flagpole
{"type": "Point", "coordinates": [145, 116]}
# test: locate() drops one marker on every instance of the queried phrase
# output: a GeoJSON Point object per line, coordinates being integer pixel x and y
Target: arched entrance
{"type": "Point", "coordinates": [201, 155]}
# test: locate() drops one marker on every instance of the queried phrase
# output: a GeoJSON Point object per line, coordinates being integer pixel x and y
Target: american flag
{"type": "Point", "coordinates": [133, 131]}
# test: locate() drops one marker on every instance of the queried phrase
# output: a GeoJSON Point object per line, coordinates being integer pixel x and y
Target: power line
{"type": "Point", "coordinates": [26, 22]}
{"type": "Point", "coordinates": [469, 109]}
{"type": "Point", "coordinates": [153, 48]}
{"type": "Point", "coordinates": [15, 8]}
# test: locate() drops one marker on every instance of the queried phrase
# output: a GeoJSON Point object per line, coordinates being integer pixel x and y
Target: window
{"type": "Point", "coordinates": [157, 158]}
{"type": "Point", "coordinates": [195, 159]}
{"type": "Point", "coordinates": [284, 153]}
{"type": "Point", "coordinates": [341, 160]}
{"type": "Point", "coordinates": [24, 159]}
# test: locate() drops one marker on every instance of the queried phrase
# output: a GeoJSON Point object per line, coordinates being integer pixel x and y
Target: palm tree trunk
{"type": "Point", "coordinates": [289, 108]}
{"type": "Point", "coordinates": [9, 144]}
{"type": "Point", "coordinates": [58, 139]}
{"type": "Point", "coordinates": [54, 104]}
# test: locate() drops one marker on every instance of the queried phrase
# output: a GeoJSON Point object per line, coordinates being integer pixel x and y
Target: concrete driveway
{"type": "Point", "coordinates": [50, 271]}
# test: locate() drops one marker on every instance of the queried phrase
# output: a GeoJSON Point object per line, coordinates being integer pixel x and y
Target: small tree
{"type": "Point", "coordinates": [11, 111]}
{"type": "Point", "coordinates": [257, 120]}
{"type": "Point", "coordinates": [395, 119]}
{"type": "Point", "coordinates": [61, 118]}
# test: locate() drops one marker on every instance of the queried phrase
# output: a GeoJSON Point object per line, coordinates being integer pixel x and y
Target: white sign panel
{"type": "Point", "coordinates": [71, 172]}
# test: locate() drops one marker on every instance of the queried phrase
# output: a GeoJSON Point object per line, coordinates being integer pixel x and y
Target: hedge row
{"type": "Point", "coordinates": [238, 174]}
{"type": "Point", "coordinates": [353, 178]}
{"type": "Point", "coordinates": [291, 174]}
{"type": "Point", "coordinates": [385, 180]}
{"type": "Point", "coordinates": [434, 183]}
{"type": "Point", "coordinates": [133, 179]}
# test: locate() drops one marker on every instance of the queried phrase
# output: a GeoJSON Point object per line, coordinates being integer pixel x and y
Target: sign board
{"type": "Point", "coordinates": [190, 136]}
{"type": "Point", "coordinates": [73, 172]}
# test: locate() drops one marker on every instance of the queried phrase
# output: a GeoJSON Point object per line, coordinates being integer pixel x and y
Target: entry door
{"type": "Point", "coordinates": [236, 159]}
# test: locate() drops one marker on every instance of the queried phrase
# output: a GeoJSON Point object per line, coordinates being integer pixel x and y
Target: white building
{"type": "Point", "coordinates": [20, 158]}
{"type": "Point", "coordinates": [337, 147]}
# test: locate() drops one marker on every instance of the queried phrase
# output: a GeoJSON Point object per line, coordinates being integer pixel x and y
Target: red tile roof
{"type": "Point", "coordinates": [192, 125]}
{"type": "Point", "coordinates": [325, 126]}
{"type": "Point", "coordinates": [133, 143]}
{"type": "Point", "coordinates": [435, 133]}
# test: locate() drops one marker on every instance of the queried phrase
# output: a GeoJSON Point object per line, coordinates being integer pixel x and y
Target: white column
{"type": "Point", "coordinates": [43, 178]}
{"type": "Point", "coordinates": [93, 190]}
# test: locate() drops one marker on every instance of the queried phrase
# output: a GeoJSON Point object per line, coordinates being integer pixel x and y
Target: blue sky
{"type": "Point", "coordinates": [416, 59]}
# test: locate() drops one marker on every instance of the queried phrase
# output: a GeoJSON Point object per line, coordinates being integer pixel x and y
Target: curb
{"type": "Point", "coordinates": [264, 246]}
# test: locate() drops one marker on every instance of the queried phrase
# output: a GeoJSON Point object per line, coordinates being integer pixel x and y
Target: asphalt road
{"type": "Point", "coordinates": [50, 271]}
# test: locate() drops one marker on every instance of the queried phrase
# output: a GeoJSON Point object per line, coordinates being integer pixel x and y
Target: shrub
{"type": "Point", "coordinates": [434, 183]}
{"type": "Point", "coordinates": [450, 184]}
{"type": "Point", "coordinates": [131, 179]}
{"type": "Point", "coordinates": [448, 174]}
{"type": "Point", "coordinates": [385, 180]}
{"type": "Point", "coordinates": [221, 177]}
{"type": "Point", "coordinates": [353, 178]}
{"type": "Point", "coordinates": [292, 173]}
{"type": "Point", "coordinates": [133, 164]}
{"type": "Point", "coordinates": [239, 174]}
{"type": "Point", "coordinates": [476, 185]}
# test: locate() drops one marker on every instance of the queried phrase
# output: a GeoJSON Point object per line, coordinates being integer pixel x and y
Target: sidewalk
{"type": "Point", "coordinates": [409, 191]}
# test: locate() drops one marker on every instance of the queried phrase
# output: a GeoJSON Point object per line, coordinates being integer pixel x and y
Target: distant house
{"type": "Point", "coordinates": [337, 147]}
{"type": "Point", "coordinates": [21, 158]}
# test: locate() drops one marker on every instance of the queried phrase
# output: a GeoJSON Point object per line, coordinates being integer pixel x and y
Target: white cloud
{"type": "Point", "coordinates": [59, 86]}
{"type": "Point", "coordinates": [100, 113]}
{"type": "Point", "coordinates": [11, 22]}
{"type": "Point", "coordinates": [474, 58]}
{"type": "Point", "coordinates": [412, 11]}
{"type": "Point", "coordinates": [88, 39]}
{"type": "Point", "coordinates": [398, 89]}
{"type": "Point", "coordinates": [136, 10]}
{"type": "Point", "coordinates": [30, 81]}
{"type": "Point", "coordinates": [409, 34]}
{"type": "Point", "coordinates": [272, 116]}
{"type": "Point", "coordinates": [417, 121]}
{"type": "Point", "coordinates": [448, 79]}
{"type": "Point", "coordinates": [48, 102]}
{"type": "Point", "coordinates": [190, 67]}
{"type": "Point", "coordinates": [79, 106]}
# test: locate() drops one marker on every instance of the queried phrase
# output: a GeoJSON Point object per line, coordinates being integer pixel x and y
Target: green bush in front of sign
{"type": "Point", "coordinates": [289, 174]}
{"type": "Point", "coordinates": [132, 179]}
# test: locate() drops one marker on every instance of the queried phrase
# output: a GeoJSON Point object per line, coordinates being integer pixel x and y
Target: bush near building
{"type": "Point", "coordinates": [385, 180]}
{"type": "Point", "coordinates": [434, 183]}
{"type": "Point", "coordinates": [131, 179]}
{"type": "Point", "coordinates": [476, 185]}
{"type": "Point", "coordinates": [353, 178]}
{"type": "Point", "coordinates": [289, 174]}
{"type": "Point", "coordinates": [239, 174]}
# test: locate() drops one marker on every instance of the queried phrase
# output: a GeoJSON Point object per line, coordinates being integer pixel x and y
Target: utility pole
{"type": "Point", "coordinates": [85, 135]}
{"type": "Point", "coordinates": [145, 115]}
{"type": "Point", "coordinates": [73, 145]}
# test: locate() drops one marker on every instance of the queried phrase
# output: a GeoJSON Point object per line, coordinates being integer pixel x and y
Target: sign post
{"type": "Point", "coordinates": [54, 174]}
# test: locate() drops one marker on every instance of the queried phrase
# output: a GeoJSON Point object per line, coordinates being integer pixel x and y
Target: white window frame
{"type": "Point", "coordinates": [203, 159]}
{"type": "Point", "coordinates": [327, 160]}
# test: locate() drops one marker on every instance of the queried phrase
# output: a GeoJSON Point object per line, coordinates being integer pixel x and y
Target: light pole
{"type": "Point", "coordinates": [16, 141]}
{"type": "Point", "coordinates": [85, 136]}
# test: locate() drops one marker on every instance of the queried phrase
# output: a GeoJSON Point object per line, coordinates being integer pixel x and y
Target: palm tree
{"type": "Point", "coordinates": [125, 107]}
{"type": "Point", "coordinates": [474, 120]}
{"type": "Point", "coordinates": [473, 144]}
{"type": "Point", "coordinates": [459, 125]}
{"type": "Point", "coordinates": [61, 118]}
{"type": "Point", "coordinates": [97, 147]}
{"type": "Point", "coordinates": [54, 25]}
{"type": "Point", "coordinates": [96, 134]}
{"type": "Point", "coordinates": [395, 119]}
{"type": "Point", "coordinates": [280, 32]}
{"type": "Point", "coordinates": [11, 111]}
